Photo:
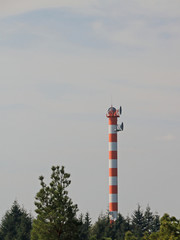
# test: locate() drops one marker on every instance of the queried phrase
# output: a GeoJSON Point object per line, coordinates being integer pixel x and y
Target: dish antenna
{"type": "Point", "coordinates": [120, 110]}
{"type": "Point", "coordinates": [120, 127]}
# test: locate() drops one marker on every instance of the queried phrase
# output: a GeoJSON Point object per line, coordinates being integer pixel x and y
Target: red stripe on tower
{"type": "Point", "coordinates": [113, 189]}
{"type": "Point", "coordinates": [113, 172]}
{"type": "Point", "coordinates": [113, 207]}
{"type": "Point", "coordinates": [112, 154]}
{"type": "Point", "coordinates": [113, 137]}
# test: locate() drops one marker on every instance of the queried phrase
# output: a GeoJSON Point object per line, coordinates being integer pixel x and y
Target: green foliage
{"type": "Point", "coordinates": [136, 228]}
{"type": "Point", "coordinates": [85, 226]}
{"type": "Point", "coordinates": [144, 223]}
{"type": "Point", "coordinates": [56, 213]}
{"type": "Point", "coordinates": [16, 224]}
{"type": "Point", "coordinates": [169, 229]}
{"type": "Point", "coordinates": [130, 236]}
{"type": "Point", "coordinates": [138, 222]}
{"type": "Point", "coordinates": [100, 229]}
{"type": "Point", "coordinates": [118, 229]}
{"type": "Point", "coordinates": [148, 220]}
{"type": "Point", "coordinates": [151, 222]}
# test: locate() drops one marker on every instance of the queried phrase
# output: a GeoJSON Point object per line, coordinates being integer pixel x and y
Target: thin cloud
{"type": "Point", "coordinates": [99, 7]}
{"type": "Point", "coordinates": [166, 138]}
{"type": "Point", "coordinates": [10, 7]}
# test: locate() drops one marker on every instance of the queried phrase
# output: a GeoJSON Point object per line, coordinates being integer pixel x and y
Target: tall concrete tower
{"type": "Point", "coordinates": [112, 115]}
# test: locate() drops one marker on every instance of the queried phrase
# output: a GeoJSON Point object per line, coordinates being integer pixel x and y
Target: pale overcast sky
{"type": "Point", "coordinates": [60, 63]}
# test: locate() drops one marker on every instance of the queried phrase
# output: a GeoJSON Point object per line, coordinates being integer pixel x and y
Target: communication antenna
{"type": "Point", "coordinates": [120, 110]}
{"type": "Point", "coordinates": [111, 101]}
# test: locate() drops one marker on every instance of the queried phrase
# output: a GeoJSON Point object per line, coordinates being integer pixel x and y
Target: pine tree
{"type": "Point", "coordinates": [156, 223]}
{"type": "Point", "coordinates": [56, 213]}
{"type": "Point", "coordinates": [100, 229]}
{"type": "Point", "coordinates": [85, 227]}
{"type": "Point", "coordinates": [138, 223]}
{"type": "Point", "coordinates": [16, 224]}
{"type": "Point", "coordinates": [148, 220]}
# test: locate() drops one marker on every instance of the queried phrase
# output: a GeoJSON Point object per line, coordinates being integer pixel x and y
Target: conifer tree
{"type": "Point", "coordinates": [56, 213]}
{"type": "Point", "coordinates": [138, 223]}
{"type": "Point", "coordinates": [148, 220]}
{"type": "Point", "coordinates": [16, 224]}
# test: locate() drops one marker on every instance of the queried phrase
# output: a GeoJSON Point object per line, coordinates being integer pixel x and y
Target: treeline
{"type": "Point", "coordinates": [141, 226]}
{"type": "Point", "coordinates": [57, 219]}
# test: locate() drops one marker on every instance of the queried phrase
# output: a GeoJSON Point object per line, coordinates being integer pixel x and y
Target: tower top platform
{"type": "Point", "coordinates": [112, 112]}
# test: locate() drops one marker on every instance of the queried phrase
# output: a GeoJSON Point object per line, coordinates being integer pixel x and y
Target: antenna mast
{"type": "Point", "coordinates": [112, 115]}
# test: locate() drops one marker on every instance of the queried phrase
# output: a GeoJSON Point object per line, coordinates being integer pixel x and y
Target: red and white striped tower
{"type": "Point", "coordinates": [113, 114]}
